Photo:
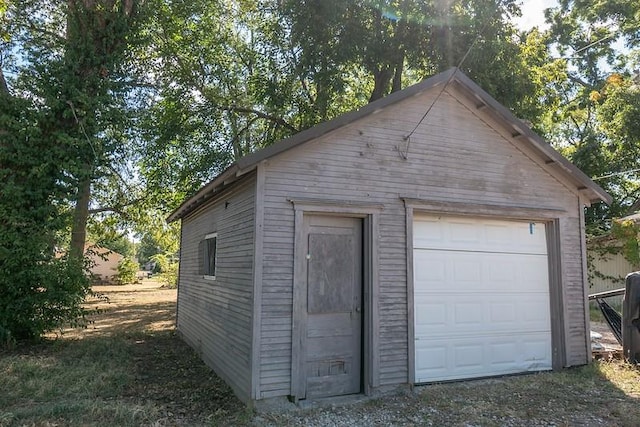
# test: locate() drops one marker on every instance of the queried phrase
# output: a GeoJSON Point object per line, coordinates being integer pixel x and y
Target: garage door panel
{"type": "Point", "coordinates": [535, 308]}
{"type": "Point", "coordinates": [449, 359]}
{"type": "Point", "coordinates": [481, 314]}
{"type": "Point", "coordinates": [481, 295]}
{"type": "Point", "coordinates": [455, 271]}
{"type": "Point", "coordinates": [473, 234]}
{"type": "Point", "coordinates": [431, 361]}
{"type": "Point", "coordinates": [430, 315]}
{"type": "Point", "coordinates": [467, 314]}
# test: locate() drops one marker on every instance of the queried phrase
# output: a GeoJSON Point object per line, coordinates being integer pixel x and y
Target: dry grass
{"type": "Point", "coordinates": [140, 308]}
{"type": "Point", "coordinates": [129, 368]}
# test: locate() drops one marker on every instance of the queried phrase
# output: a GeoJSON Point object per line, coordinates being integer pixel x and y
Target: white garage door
{"type": "Point", "coordinates": [481, 293]}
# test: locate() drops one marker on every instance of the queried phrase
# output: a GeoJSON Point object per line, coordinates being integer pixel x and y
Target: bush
{"type": "Point", "coordinates": [46, 295]}
{"type": "Point", "coordinates": [127, 271]}
{"type": "Point", "coordinates": [168, 268]}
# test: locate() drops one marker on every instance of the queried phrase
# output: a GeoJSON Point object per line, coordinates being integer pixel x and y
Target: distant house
{"type": "Point", "coordinates": [428, 236]}
{"type": "Point", "coordinates": [104, 263]}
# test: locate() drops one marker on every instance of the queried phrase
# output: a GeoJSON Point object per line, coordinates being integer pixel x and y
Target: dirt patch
{"type": "Point", "coordinates": [167, 382]}
{"type": "Point", "coordinates": [608, 339]}
{"type": "Point", "coordinates": [117, 309]}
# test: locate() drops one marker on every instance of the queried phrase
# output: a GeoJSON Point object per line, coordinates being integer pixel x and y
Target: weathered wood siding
{"type": "Point", "coordinates": [215, 316]}
{"type": "Point", "coordinates": [454, 155]}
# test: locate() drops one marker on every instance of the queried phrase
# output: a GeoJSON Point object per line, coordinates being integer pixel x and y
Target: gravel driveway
{"type": "Point", "coordinates": [574, 397]}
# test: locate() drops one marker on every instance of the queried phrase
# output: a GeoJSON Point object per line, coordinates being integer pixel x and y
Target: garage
{"type": "Point", "coordinates": [438, 247]}
{"type": "Point", "coordinates": [481, 297]}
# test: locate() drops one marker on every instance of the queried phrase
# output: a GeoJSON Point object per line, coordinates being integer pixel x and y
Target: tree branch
{"type": "Point", "coordinates": [247, 110]}
{"type": "Point", "coordinates": [3, 84]}
{"type": "Point", "coordinates": [116, 209]}
{"type": "Point", "coordinates": [579, 81]}
{"type": "Point", "coordinates": [107, 209]}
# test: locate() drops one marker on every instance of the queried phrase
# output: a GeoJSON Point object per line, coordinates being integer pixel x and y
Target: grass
{"type": "Point", "coordinates": [587, 395]}
{"type": "Point", "coordinates": [128, 380]}
{"type": "Point", "coordinates": [601, 394]}
{"type": "Point", "coordinates": [595, 314]}
{"type": "Point", "coordinates": [130, 369]}
{"type": "Point", "coordinates": [70, 383]}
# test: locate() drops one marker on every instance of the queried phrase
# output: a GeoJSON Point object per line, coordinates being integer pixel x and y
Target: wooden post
{"type": "Point", "coordinates": [631, 319]}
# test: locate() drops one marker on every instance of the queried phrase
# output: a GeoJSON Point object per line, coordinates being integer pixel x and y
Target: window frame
{"type": "Point", "coordinates": [206, 262]}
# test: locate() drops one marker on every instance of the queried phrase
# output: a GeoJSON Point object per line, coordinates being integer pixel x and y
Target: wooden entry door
{"type": "Point", "coordinates": [333, 339]}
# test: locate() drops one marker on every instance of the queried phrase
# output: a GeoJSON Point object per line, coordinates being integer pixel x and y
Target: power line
{"type": "Point", "coordinates": [615, 174]}
{"type": "Point", "coordinates": [73, 110]}
{"type": "Point", "coordinates": [407, 138]}
{"type": "Point", "coordinates": [593, 44]}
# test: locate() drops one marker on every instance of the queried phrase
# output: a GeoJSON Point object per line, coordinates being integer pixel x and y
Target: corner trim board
{"type": "Point", "coordinates": [258, 239]}
{"type": "Point", "coordinates": [298, 315]}
{"type": "Point", "coordinates": [585, 280]}
{"type": "Point", "coordinates": [556, 296]}
{"type": "Point", "coordinates": [410, 297]}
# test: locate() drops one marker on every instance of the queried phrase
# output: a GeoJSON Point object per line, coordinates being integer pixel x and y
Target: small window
{"type": "Point", "coordinates": [210, 252]}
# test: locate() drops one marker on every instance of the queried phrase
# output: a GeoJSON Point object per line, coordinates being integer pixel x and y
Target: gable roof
{"type": "Point", "coordinates": [453, 76]}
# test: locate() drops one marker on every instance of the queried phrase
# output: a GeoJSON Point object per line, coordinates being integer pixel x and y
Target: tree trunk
{"type": "Point", "coordinates": [397, 77]}
{"type": "Point", "coordinates": [80, 216]}
{"type": "Point", "coordinates": [93, 21]}
{"type": "Point", "coordinates": [381, 81]}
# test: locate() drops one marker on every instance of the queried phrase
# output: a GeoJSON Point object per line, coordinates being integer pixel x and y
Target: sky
{"type": "Point", "coordinates": [533, 13]}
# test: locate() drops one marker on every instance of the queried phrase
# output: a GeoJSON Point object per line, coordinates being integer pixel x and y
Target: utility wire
{"type": "Point", "coordinates": [615, 174]}
{"type": "Point", "coordinates": [73, 110]}
{"type": "Point", "coordinates": [464, 57]}
{"type": "Point", "coordinates": [593, 44]}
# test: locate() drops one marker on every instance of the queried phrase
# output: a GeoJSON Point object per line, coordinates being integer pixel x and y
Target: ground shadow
{"type": "Point", "coordinates": [171, 374]}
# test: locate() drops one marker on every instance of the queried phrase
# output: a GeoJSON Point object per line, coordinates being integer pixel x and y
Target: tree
{"type": "Point", "coordinates": [60, 136]}
{"type": "Point", "coordinates": [216, 90]}
{"type": "Point", "coordinates": [228, 78]}
{"type": "Point", "coordinates": [127, 271]}
{"type": "Point", "coordinates": [594, 122]}
{"type": "Point", "coordinates": [73, 54]}
{"type": "Point", "coordinates": [41, 288]}
{"type": "Point", "coordinates": [398, 43]}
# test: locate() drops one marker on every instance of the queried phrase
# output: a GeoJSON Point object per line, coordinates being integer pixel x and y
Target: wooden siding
{"type": "Point", "coordinates": [215, 316]}
{"type": "Point", "coordinates": [454, 155]}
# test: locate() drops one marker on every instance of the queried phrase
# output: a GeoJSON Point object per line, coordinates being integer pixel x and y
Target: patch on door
{"type": "Point", "coordinates": [326, 368]}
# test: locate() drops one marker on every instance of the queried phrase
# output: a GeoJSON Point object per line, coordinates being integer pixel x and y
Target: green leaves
{"type": "Point", "coordinates": [595, 124]}
{"type": "Point", "coordinates": [65, 138]}
{"type": "Point", "coordinates": [40, 288]}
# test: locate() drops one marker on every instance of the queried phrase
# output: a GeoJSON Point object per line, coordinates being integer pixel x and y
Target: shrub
{"type": "Point", "coordinates": [45, 295]}
{"type": "Point", "coordinates": [127, 271]}
{"type": "Point", "coordinates": [168, 269]}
